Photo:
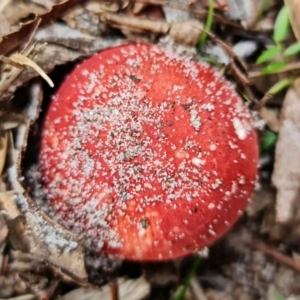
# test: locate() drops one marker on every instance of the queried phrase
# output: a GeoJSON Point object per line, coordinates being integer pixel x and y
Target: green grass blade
{"type": "Point", "coordinates": [280, 86]}
{"type": "Point", "coordinates": [268, 140]}
{"type": "Point", "coordinates": [179, 294]}
{"type": "Point", "coordinates": [281, 26]}
{"type": "Point", "coordinates": [279, 297]}
{"type": "Point", "coordinates": [292, 49]}
{"type": "Point", "coordinates": [208, 23]}
{"type": "Point", "coordinates": [273, 67]}
{"type": "Point", "coordinates": [268, 54]}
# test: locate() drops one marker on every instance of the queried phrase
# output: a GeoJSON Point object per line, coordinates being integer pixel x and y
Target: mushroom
{"type": "Point", "coordinates": [149, 155]}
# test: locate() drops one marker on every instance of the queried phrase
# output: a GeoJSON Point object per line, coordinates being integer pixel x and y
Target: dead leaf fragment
{"type": "Point", "coordinates": [245, 11]}
{"type": "Point", "coordinates": [3, 149]}
{"type": "Point", "coordinates": [271, 117]}
{"type": "Point", "coordinates": [3, 231]}
{"type": "Point", "coordinates": [135, 24]}
{"type": "Point", "coordinates": [61, 48]}
{"type": "Point", "coordinates": [4, 27]}
{"type": "Point", "coordinates": [86, 21]}
{"type": "Point", "coordinates": [3, 4]}
{"type": "Point", "coordinates": [51, 242]}
{"type": "Point", "coordinates": [294, 12]}
{"type": "Point", "coordinates": [174, 14]}
{"type": "Point", "coordinates": [187, 32]}
{"type": "Point", "coordinates": [286, 175]}
{"type": "Point", "coordinates": [35, 233]}
{"type": "Point", "coordinates": [8, 204]}
{"type": "Point", "coordinates": [138, 7]}
{"type": "Point", "coordinates": [18, 40]}
{"type": "Point", "coordinates": [129, 289]}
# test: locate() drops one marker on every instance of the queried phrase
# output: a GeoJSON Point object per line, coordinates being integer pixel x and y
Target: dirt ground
{"type": "Point", "coordinates": [255, 44]}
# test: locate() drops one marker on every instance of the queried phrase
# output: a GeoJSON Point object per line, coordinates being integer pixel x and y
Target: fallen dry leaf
{"type": "Point", "coordinates": [18, 11]}
{"type": "Point", "coordinates": [18, 40]}
{"type": "Point", "coordinates": [3, 4]}
{"type": "Point", "coordinates": [135, 24]}
{"type": "Point", "coordinates": [187, 32]}
{"type": "Point", "coordinates": [294, 11]}
{"type": "Point", "coordinates": [35, 233]}
{"type": "Point", "coordinates": [8, 204]}
{"type": "Point", "coordinates": [129, 289]}
{"type": "Point", "coordinates": [15, 40]}
{"type": "Point", "coordinates": [286, 175]}
{"type": "Point", "coordinates": [174, 14]}
{"type": "Point", "coordinates": [3, 149]}
{"type": "Point", "coordinates": [47, 3]}
{"type": "Point", "coordinates": [50, 242]}
{"type": "Point", "coordinates": [86, 20]}
{"type": "Point", "coordinates": [245, 11]}
{"type": "Point", "coordinates": [85, 17]}
{"type": "Point", "coordinates": [138, 7]}
{"type": "Point", "coordinates": [64, 44]}
{"type": "Point", "coordinates": [4, 27]}
{"type": "Point", "coordinates": [3, 232]}
{"type": "Point", "coordinates": [30, 230]}
{"type": "Point", "coordinates": [261, 199]}
{"type": "Point", "coordinates": [271, 117]}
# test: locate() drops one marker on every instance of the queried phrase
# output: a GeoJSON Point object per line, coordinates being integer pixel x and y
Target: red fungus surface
{"type": "Point", "coordinates": [148, 155]}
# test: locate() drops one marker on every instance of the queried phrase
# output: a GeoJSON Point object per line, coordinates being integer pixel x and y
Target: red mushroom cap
{"type": "Point", "coordinates": [148, 155]}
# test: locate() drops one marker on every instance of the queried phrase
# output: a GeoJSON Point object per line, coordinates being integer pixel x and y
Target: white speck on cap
{"type": "Point", "coordinates": [211, 206]}
{"type": "Point", "coordinates": [240, 130]}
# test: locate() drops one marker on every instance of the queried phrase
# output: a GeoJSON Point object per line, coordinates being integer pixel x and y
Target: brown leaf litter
{"type": "Point", "coordinates": [286, 175]}
{"type": "Point", "coordinates": [36, 254]}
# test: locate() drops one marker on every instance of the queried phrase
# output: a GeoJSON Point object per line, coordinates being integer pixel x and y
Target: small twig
{"type": "Point", "coordinates": [264, 100]}
{"type": "Point", "coordinates": [243, 81]}
{"type": "Point", "coordinates": [228, 50]}
{"type": "Point", "coordinates": [114, 288]}
{"type": "Point", "coordinates": [23, 297]}
{"type": "Point", "coordinates": [53, 286]}
{"type": "Point", "coordinates": [4, 267]}
{"type": "Point", "coordinates": [282, 258]}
